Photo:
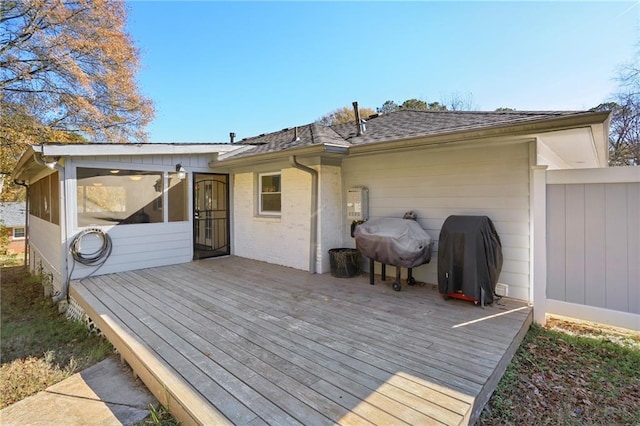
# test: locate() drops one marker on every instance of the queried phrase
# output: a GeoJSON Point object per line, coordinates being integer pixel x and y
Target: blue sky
{"type": "Point", "coordinates": [254, 67]}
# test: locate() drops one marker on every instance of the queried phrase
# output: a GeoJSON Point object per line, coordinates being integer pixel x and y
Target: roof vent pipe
{"type": "Point", "coordinates": [356, 112]}
{"type": "Point", "coordinates": [296, 138]}
{"type": "Point", "coordinates": [232, 137]}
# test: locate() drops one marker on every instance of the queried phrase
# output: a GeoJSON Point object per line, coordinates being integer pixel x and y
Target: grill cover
{"type": "Point", "coordinates": [392, 241]}
{"type": "Point", "coordinates": [469, 257]}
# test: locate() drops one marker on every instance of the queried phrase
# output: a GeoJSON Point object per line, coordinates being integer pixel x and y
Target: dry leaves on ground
{"type": "Point", "coordinates": [570, 373]}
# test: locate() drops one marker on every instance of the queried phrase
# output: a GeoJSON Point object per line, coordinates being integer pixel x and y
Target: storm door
{"type": "Point", "coordinates": [210, 215]}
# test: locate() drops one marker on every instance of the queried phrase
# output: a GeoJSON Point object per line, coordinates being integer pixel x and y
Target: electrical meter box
{"type": "Point", "coordinates": [358, 204]}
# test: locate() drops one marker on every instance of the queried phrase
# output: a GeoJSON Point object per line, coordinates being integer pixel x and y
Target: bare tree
{"type": "Point", "coordinates": [624, 130]}
{"type": "Point", "coordinates": [460, 102]}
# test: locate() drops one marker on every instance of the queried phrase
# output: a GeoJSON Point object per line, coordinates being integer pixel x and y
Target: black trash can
{"type": "Point", "coordinates": [345, 262]}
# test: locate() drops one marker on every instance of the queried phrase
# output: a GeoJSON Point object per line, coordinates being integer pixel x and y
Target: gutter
{"type": "Point", "coordinates": [313, 251]}
{"type": "Point", "coordinates": [319, 149]}
{"type": "Point", "coordinates": [22, 161]}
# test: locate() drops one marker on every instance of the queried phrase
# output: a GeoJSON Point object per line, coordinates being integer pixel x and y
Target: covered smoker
{"type": "Point", "coordinates": [396, 242]}
{"type": "Point", "coordinates": [469, 258]}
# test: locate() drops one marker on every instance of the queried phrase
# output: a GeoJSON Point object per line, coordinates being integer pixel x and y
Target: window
{"type": "Point", "coordinates": [18, 233]}
{"type": "Point", "coordinates": [44, 198]}
{"type": "Point", "coordinates": [107, 197]}
{"type": "Point", "coordinates": [270, 193]}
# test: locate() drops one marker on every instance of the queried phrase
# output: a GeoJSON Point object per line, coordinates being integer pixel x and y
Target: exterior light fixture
{"type": "Point", "coordinates": [51, 163]}
{"type": "Point", "coordinates": [47, 162]}
{"type": "Point", "coordinates": [182, 173]}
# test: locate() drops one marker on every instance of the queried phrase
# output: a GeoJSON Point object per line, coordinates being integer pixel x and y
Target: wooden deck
{"type": "Point", "coordinates": [235, 341]}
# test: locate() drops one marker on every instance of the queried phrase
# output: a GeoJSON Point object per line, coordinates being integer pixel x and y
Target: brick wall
{"type": "Point", "coordinates": [280, 240]}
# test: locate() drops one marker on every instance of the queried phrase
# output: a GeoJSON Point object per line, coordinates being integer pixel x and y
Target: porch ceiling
{"type": "Point", "coordinates": [238, 341]}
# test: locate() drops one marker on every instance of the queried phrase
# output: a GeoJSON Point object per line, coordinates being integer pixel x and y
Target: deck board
{"type": "Point", "coordinates": [231, 339]}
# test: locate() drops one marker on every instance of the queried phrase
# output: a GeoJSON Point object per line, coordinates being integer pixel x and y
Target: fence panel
{"type": "Point", "coordinates": [593, 239]}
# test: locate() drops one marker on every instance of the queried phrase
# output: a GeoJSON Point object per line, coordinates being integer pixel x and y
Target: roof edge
{"type": "Point", "coordinates": [24, 159]}
{"type": "Point", "coordinates": [133, 149]}
{"type": "Point", "coordinates": [324, 148]}
{"type": "Point", "coordinates": [520, 129]}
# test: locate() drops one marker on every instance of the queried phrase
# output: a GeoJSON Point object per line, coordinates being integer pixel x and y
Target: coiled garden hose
{"type": "Point", "coordinates": [95, 258]}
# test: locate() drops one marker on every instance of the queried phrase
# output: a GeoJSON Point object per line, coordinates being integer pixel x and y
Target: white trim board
{"type": "Point", "coordinates": [132, 149]}
{"type": "Point", "coordinates": [629, 174]}
{"type": "Point", "coordinates": [591, 313]}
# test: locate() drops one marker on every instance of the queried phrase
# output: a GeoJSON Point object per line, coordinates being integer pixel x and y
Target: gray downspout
{"type": "Point", "coordinates": [313, 251]}
{"type": "Point", "coordinates": [63, 223]}
{"type": "Point", "coordinates": [26, 221]}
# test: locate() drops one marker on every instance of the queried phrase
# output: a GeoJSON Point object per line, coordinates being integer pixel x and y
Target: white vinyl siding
{"type": "Point", "coordinates": [135, 246]}
{"type": "Point", "coordinates": [46, 249]}
{"type": "Point", "coordinates": [142, 246]}
{"type": "Point", "coordinates": [190, 163]}
{"type": "Point", "coordinates": [436, 183]}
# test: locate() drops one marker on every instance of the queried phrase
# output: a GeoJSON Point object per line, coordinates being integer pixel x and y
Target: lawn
{"type": "Point", "coordinates": [38, 346]}
{"type": "Point", "coordinates": [570, 373]}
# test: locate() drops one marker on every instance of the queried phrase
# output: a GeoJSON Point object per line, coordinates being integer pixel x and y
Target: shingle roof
{"type": "Point", "coordinates": [406, 124]}
{"type": "Point", "coordinates": [398, 125]}
{"type": "Point", "coordinates": [12, 214]}
{"type": "Point", "coordinates": [307, 135]}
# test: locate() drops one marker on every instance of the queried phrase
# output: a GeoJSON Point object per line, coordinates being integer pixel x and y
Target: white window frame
{"type": "Point", "coordinates": [24, 233]}
{"type": "Point", "coordinates": [261, 193]}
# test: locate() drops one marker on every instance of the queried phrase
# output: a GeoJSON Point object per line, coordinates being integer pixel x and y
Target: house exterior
{"type": "Point", "coordinates": [12, 217]}
{"type": "Point", "coordinates": [283, 197]}
{"type": "Point", "coordinates": [434, 163]}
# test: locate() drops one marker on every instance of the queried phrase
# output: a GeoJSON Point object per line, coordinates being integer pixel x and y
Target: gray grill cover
{"type": "Point", "coordinates": [396, 242]}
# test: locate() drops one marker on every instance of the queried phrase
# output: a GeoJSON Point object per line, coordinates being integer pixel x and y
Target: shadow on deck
{"type": "Point", "coordinates": [236, 341]}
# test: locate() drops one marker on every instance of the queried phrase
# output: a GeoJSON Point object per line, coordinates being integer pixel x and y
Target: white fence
{"type": "Point", "coordinates": [592, 245]}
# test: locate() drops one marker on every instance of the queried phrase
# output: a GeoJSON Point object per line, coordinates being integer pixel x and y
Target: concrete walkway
{"type": "Point", "coordinates": [104, 394]}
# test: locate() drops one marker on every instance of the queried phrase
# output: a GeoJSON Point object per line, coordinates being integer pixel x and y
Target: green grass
{"type": "Point", "coordinates": [158, 417]}
{"type": "Point", "coordinates": [578, 375]}
{"type": "Point", "coordinates": [10, 259]}
{"type": "Point", "coordinates": [38, 346]}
